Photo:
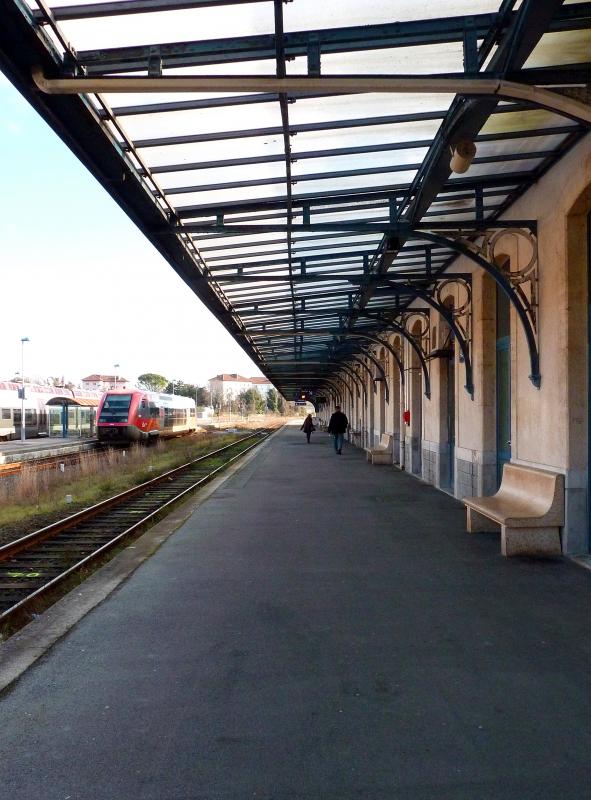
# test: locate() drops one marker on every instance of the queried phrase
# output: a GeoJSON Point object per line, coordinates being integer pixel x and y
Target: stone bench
{"type": "Point", "coordinates": [529, 507]}
{"type": "Point", "coordinates": [382, 454]}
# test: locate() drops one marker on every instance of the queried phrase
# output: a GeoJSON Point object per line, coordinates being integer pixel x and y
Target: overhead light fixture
{"type": "Point", "coordinates": [462, 155]}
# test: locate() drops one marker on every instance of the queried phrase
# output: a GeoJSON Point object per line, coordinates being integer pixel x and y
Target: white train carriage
{"type": "Point", "coordinates": [39, 419]}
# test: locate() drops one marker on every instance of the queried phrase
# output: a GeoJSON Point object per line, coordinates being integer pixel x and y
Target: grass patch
{"type": "Point", "coordinates": [35, 498]}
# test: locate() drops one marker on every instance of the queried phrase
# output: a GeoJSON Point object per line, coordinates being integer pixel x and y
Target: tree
{"type": "Point", "coordinates": [152, 382]}
{"type": "Point", "coordinates": [281, 405]}
{"type": "Point", "coordinates": [216, 401]}
{"type": "Point", "coordinates": [253, 402]}
{"type": "Point", "coordinates": [203, 396]}
{"type": "Point", "coordinates": [182, 388]}
{"type": "Point", "coordinates": [272, 400]}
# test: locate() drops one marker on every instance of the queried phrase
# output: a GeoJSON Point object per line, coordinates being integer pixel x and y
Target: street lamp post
{"type": "Point", "coordinates": [116, 376]}
{"type": "Point", "coordinates": [23, 340]}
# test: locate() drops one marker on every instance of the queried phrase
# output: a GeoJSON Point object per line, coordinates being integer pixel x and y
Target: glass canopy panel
{"type": "Point", "coordinates": [168, 26]}
{"type": "Point", "coordinates": [237, 244]}
{"type": "Point", "coordinates": [503, 168]}
{"type": "Point", "coordinates": [203, 177]}
{"type": "Point", "coordinates": [211, 120]}
{"type": "Point", "coordinates": [562, 47]}
{"type": "Point", "coordinates": [531, 144]}
{"type": "Point", "coordinates": [514, 121]}
{"type": "Point", "coordinates": [425, 59]}
{"type": "Point", "coordinates": [308, 14]}
{"type": "Point", "coordinates": [228, 195]}
{"type": "Point", "coordinates": [142, 102]}
{"type": "Point", "coordinates": [359, 161]}
{"type": "Point", "coordinates": [163, 155]}
{"type": "Point", "coordinates": [363, 106]}
{"type": "Point", "coordinates": [352, 216]}
{"type": "Point", "coordinates": [421, 131]}
{"type": "Point", "coordinates": [339, 250]}
{"type": "Point", "coordinates": [250, 264]}
{"type": "Point", "coordinates": [356, 182]}
{"type": "Point", "coordinates": [305, 240]}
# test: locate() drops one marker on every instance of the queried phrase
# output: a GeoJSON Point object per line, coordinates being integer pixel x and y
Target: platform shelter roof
{"type": "Point", "coordinates": [292, 160]}
{"type": "Point", "coordinates": [86, 402]}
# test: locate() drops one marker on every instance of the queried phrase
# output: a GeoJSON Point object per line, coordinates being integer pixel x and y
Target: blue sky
{"type": "Point", "coordinates": [81, 281]}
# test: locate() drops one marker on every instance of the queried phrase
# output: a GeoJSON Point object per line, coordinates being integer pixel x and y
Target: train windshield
{"type": "Point", "coordinates": [115, 408]}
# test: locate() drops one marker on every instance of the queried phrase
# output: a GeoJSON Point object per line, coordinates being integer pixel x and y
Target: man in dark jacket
{"type": "Point", "coordinates": [337, 426]}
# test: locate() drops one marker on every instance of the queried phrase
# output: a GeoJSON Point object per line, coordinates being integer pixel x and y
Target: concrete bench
{"type": "Point", "coordinates": [529, 507]}
{"type": "Point", "coordinates": [382, 454]}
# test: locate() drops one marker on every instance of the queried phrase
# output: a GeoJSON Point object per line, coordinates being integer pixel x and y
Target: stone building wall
{"type": "Point", "coordinates": [549, 423]}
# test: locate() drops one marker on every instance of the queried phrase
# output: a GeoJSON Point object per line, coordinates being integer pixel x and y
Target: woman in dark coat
{"type": "Point", "coordinates": [308, 427]}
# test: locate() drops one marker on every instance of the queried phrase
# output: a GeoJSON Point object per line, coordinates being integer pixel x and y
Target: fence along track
{"type": "Point", "coordinates": [47, 462]}
{"type": "Point", "coordinates": [32, 567]}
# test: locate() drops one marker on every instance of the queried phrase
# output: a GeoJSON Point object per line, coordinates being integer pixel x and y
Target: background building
{"type": "Point", "coordinates": [105, 383]}
{"type": "Point", "coordinates": [227, 386]}
{"type": "Point", "coordinates": [262, 385]}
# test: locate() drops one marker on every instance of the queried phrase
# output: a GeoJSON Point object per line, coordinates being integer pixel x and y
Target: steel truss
{"type": "Point", "coordinates": [311, 279]}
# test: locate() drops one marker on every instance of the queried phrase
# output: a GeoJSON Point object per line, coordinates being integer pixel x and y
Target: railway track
{"type": "Point", "coordinates": [33, 568]}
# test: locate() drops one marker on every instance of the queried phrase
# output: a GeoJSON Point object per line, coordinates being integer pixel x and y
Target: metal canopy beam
{"type": "Point", "coordinates": [346, 195]}
{"type": "Point", "coordinates": [94, 10]}
{"type": "Point", "coordinates": [338, 280]}
{"type": "Point", "coordinates": [307, 127]}
{"type": "Point", "coordinates": [74, 119]}
{"type": "Point", "coordinates": [347, 151]}
{"type": "Point", "coordinates": [466, 119]}
{"type": "Point", "coordinates": [349, 173]}
{"type": "Point", "coordinates": [297, 43]}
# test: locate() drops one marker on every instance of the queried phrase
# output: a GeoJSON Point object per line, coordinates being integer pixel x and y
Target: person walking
{"type": "Point", "coordinates": [337, 426]}
{"type": "Point", "coordinates": [308, 427]}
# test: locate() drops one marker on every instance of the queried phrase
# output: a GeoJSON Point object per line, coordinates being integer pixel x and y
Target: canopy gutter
{"type": "Point", "coordinates": [424, 84]}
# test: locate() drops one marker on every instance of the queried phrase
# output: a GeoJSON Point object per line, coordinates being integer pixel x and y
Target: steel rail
{"type": "Point", "coordinates": [26, 543]}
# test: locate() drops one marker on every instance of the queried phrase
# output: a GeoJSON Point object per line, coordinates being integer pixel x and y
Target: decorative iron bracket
{"type": "Point", "coordinates": [457, 325]}
{"type": "Point", "coordinates": [429, 296]}
{"type": "Point", "coordinates": [519, 284]}
{"type": "Point", "coordinates": [383, 377]}
{"type": "Point", "coordinates": [462, 313]}
{"type": "Point", "coordinates": [391, 324]}
{"type": "Point", "coordinates": [376, 340]}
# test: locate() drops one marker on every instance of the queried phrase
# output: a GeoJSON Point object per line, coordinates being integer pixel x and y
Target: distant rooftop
{"type": "Point", "coordinates": [106, 378]}
{"type": "Point", "coordinates": [231, 376]}
{"type": "Point", "coordinates": [228, 377]}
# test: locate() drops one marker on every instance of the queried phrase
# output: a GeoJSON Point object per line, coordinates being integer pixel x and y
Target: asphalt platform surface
{"type": "Point", "coordinates": [320, 629]}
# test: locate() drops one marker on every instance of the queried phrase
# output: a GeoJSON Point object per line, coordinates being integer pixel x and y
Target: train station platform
{"type": "Point", "coordinates": [33, 449]}
{"type": "Point", "coordinates": [318, 629]}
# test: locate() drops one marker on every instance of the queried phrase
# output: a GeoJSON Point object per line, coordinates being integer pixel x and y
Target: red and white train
{"type": "Point", "coordinates": [139, 416]}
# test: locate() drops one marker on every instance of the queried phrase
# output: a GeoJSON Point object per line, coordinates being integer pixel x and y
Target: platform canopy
{"type": "Point", "coordinates": [299, 186]}
{"type": "Point", "coordinates": [86, 402]}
